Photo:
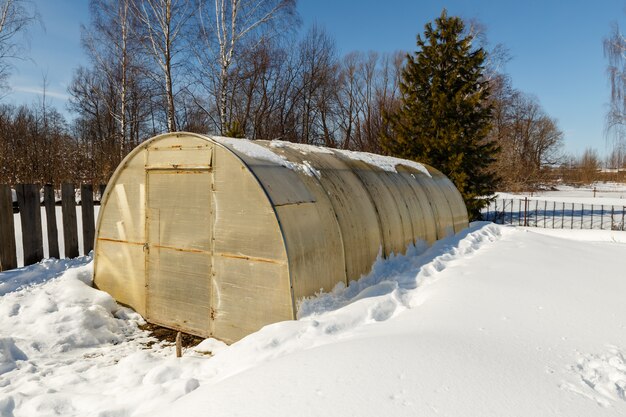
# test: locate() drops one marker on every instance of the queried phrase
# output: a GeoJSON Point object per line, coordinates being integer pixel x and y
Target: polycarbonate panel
{"type": "Point", "coordinates": [457, 205]}
{"type": "Point", "coordinates": [442, 215]}
{"type": "Point", "coordinates": [311, 232]}
{"type": "Point", "coordinates": [315, 249]}
{"type": "Point", "coordinates": [402, 196]}
{"type": "Point", "coordinates": [181, 201]}
{"type": "Point", "coordinates": [179, 250]}
{"type": "Point", "coordinates": [427, 212]}
{"type": "Point", "coordinates": [179, 152]}
{"type": "Point", "coordinates": [179, 284]}
{"type": "Point", "coordinates": [438, 184]}
{"type": "Point", "coordinates": [442, 184]}
{"type": "Point", "coordinates": [281, 184]}
{"type": "Point", "coordinates": [245, 222]}
{"type": "Point", "coordinates": [389, 216]}
{"type": "Point", "coordinates": [123, 216]}
{"type": "Point", "coordinates": [120, 271]}
{"type": "Point", "coordinates": [415, 207]}
{"type": "Point", "coordinates": [248, 295]}
{"type": "Point", "coordinates": [355, 212]}
{"type": "Point", "coordinates": [119, 266]}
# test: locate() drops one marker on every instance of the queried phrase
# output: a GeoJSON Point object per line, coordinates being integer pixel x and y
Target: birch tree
{"type": "Point", "coordinates": [15, 18]}
{"type": "Point", "coordinates": [112, 45]}
{"type": "Point", "coordinates": [615, 52]}
{"type": "Point", "coordinates": [163, 27]}
{"type": "Point", "coordinates": [225, 27]}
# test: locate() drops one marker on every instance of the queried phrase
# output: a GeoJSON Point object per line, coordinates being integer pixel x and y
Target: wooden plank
{"type": "Point", "coordinates": [51, 220]}
{"type": "Point", "coordinates": [101, 188]}
{"type": "Point", "coordinates": [8, 257]}
{"type": "Point", "coordinates": [28, 200]}
{"type": "Point", "coordinates": [86, 197]}
{"type": "Point", "coordinates": [70, 227]}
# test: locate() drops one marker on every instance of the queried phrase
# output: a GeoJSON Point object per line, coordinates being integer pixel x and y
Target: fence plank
{"type": "Point", "coordinates": [86, 198]}
{"type": "Point", "coordinates": [51, 220]}
{"type": "Point", "coordinates": [28, 200]}
{"type": "Point", "coordinates": [101, 188]}
{"type": "Point", "coordinates": [8, 257]}
{"type": "Point", "coordinates": [70, 228]}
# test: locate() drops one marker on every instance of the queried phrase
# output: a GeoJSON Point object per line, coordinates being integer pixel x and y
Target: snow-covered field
{"type": "Point", "coordinates": [607, 193]}
{"type": "Point", "coordinates": [495, 321]}
{"type": "Point", "coordinates": [596, 206]}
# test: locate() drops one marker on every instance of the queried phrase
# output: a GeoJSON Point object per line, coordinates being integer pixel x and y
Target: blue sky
{"type": "Point", "coordinates": [556, 48]}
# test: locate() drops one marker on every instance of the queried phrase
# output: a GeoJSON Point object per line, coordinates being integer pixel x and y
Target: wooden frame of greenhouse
{"type": "Point", "coordinates": [218, 237]}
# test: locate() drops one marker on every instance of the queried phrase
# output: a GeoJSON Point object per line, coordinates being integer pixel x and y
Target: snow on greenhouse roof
{"type": "Point", "coordinates": [254, 150]}
{"type": "Point", "coordinates": [386, 163]}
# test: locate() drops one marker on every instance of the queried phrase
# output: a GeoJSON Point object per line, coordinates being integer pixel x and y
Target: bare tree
{"type": "Point", "coordinates": [615, 52]}
{"type": "Point", "coordinates": [113, 48]}
{"type": "Point", "coordinates": [15, 18]}
{"type": "Point", "coordinates": [588, 166]}
{"type": "Point", "coordinates": [529, 140]}
{"type": "Point", "coordinates": [163, 24]}
{"type": "Point", "coordinates": [617, 158]}
{"type": "Point", "coordinates": [226, 26]}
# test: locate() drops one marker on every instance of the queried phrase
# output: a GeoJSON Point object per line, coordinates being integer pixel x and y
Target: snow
{"type": "Point", "coordinates": [386, 163]}
{"type": "Point", "coordinates": [493, 321]}
{"type": "Point", "coordinates": [607, 193]}
{"type": "Point", "coordinates": [301, 147]}
{"type": "Point", "coordinates": [254, 150]}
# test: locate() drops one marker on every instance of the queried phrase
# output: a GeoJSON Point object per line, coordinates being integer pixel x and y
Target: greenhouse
{"type": "Point", "coordinates": [219, 237]}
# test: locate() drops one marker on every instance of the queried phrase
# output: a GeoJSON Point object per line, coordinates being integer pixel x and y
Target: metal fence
{"type": "Point", "coordinates": [555, 214]}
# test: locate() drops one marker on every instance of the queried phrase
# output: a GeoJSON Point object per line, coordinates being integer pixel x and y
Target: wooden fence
{"type": "Point", "coordinates": [555, 214]}
{"type": "Point", "coordinates": [29, 206]}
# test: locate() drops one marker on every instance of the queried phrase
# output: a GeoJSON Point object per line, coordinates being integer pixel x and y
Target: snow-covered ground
{"type": "Point", "coordinates": [565, 207]}
{"type": "Point", "coordinates": [495, 321]}
{"type": "Point", "coordinates": [607, 193]}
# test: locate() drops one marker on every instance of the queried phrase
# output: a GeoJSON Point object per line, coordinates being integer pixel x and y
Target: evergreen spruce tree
{"type": "Point", "coordinates": [445, 114]}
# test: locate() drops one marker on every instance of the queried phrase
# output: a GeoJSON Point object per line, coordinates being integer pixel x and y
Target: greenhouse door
{"type": "Point", "coordinates": [178, 252]}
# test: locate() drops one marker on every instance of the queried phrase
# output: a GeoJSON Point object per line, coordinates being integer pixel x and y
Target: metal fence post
{"type": "Point", "coordinates": [612, 214]}
{"type": "Point", "coordinates": [582, 219]}
{"type": "Point", "coordinates": [602, 217]}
